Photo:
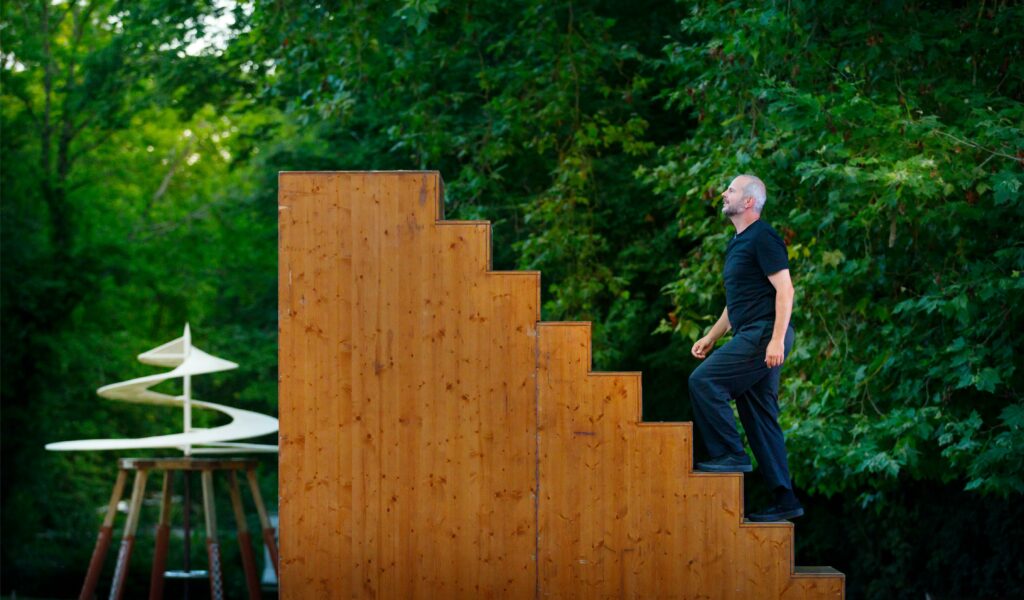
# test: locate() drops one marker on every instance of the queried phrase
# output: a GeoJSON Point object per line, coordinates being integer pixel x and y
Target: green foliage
{"type": "Point", "coordinates": [894, 168]}
{"type": "Point", "coordinates": [121, 220]}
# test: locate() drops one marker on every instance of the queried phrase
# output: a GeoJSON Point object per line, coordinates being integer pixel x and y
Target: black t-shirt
{"type": "Point", "coordinates": [749, 259]}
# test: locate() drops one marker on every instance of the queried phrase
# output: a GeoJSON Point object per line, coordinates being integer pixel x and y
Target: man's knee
{"type": "Point", "coordinates": [700, 384]}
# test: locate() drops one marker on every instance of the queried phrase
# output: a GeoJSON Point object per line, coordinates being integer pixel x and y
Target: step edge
{"type": "Point", "coordinates": [564, 323]}
{"type": "Point", "coordinates": [748, 524]}
{"type": "Point", "coordinates": [363, 172]}
{"type": "Point", "coordinates": [817, 572]}
{"type": "Point", "coordinates": [456, 222]}
{"type": "Point", "coordinates": [527, 272]}
{"type": "Point", "coordinates": [686, 424]}
{"type": "Point", "coordinates": [725, 474]}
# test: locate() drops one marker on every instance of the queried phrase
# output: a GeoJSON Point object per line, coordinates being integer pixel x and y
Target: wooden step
{"type": "Point", "coordinates": [817, 572]}
{"type": "Point", "coordinates": [816, 582]}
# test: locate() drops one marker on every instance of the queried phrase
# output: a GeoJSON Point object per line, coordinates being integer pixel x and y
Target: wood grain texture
{"type": "Point", "coordinates": [404, 471]}
{"type": "Point", "coordinates": [438, 441]}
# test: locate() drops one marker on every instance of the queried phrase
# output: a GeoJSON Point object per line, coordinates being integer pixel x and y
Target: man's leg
{"type": "Point", "coordinates": [712, 414]}
{"type": "Point", "coordinates": [759, 411]}
{"type": "Point", "coordinates": [725, 374]}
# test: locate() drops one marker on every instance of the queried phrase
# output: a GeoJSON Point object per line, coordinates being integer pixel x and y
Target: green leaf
{"type": "Point", "coordinates": [1006, 186]}
{"type": "Point", "coordinates": [988, 379]}
{"type": "Point", "coordinates": [1013, 416]}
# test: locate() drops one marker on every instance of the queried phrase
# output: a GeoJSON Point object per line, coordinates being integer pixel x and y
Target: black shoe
{"type": "Point", "coordinates": [777, 512]}
{"type": "Point", "coordinates": [726, 464]}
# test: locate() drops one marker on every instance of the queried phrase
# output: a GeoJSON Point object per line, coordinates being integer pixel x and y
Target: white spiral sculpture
{"type": "Point", "coordinates": [187, 360]}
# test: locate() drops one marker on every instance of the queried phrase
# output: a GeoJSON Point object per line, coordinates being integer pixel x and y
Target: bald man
{"type": "Point", "coordinates": [759, 302]}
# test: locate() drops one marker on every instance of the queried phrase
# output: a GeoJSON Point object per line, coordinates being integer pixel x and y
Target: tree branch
{"type": "Point", "coordinates": [176, 161]}
{"type": "Point", "coordinates": [975, 145]}
{"type": "Point", "coordinates": [68, 129]}
{"type": "Point", "coordinates": [28, 107]}
{"type": "Point", "coordinates": [83, 151]}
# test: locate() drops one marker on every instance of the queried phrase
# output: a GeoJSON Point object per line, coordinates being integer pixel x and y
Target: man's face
{"type": "Point", "coordinates": [732, 198]}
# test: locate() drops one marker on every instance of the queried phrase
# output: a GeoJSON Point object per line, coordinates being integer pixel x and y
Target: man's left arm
{"type": "Point", "coordinates": [775, 353]}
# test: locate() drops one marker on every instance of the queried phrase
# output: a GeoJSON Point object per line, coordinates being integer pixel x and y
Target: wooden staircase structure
{"type": "Point", "coordinates": [439, 441]}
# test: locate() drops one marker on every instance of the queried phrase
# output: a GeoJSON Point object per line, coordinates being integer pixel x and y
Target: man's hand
{"type": "Point", "coordinates": [774, 355]}
{"type": "Point", "coordinates": [703, 346]}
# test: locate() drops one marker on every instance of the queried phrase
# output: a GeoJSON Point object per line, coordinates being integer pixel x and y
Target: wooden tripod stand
{"type": "Point", "coordinates": [206, 467]}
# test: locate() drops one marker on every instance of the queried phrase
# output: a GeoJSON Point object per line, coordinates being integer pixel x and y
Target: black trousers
{"type": "Point", "coordinates": [737, 371]}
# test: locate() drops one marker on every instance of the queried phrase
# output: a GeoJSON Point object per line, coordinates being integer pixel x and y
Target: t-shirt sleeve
{"type": "Point", "coordinates": [771, 253]}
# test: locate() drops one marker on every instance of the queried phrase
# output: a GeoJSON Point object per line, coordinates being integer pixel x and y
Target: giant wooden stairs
{"type": "Point", "coordinates": [439, 441]}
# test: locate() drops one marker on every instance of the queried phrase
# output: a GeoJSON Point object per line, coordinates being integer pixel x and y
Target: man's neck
{"type": "Point", "coordinates": [744, 220]}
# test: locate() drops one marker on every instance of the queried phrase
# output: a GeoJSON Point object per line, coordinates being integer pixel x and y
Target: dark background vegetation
{"type": "Point", "coordinates": [140, 147]}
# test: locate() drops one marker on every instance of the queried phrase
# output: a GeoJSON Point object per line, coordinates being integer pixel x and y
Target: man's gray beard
{"type": "Point", "coordinates": [730, 212]}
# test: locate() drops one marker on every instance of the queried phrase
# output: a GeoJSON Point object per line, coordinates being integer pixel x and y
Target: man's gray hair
{"type": "Point", "coordinates": [755, 189]}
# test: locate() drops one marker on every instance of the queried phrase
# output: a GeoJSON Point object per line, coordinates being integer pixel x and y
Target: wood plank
{"type": "Point", "coordinates": [412, 368]}
{"type": "Point", "coordinates": [337, 415]}
{"type": "Point", "coordinates": [431, 459]}
{"type": "Point", "coordinates": [472, 362]}
{"type": "Point", "coordinates": [318, 375]}
{"type": "Point", "coordinates": [333, 369]}
{"type": "Point", "coordinates": [306, 277]}
{"type": "Point", "coordinates": [366, 395]}
{"type": "Point", "coordinates": [389, 192]}
{"type": "Point", "coordinates": [187, 463]}
{"type": "Point", "coordinates": [564, 362]}
{"type": "Point", "coordinates": [291, 435]}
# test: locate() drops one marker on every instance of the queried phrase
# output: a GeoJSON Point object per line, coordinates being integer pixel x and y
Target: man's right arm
{"type": "Point", "coordinates": [704, 345]}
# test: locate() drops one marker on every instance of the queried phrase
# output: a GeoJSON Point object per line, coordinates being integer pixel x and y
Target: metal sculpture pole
{"type": "Point", "coordinates": [187, 389]}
